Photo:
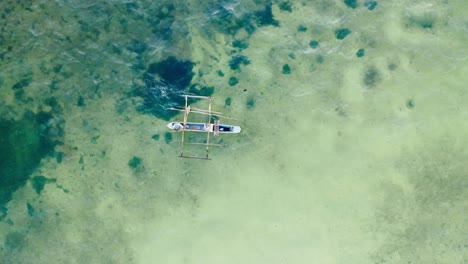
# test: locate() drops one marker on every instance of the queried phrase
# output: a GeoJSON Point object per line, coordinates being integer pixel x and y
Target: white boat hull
{"type": "Point", "coordinates": [203, 127]}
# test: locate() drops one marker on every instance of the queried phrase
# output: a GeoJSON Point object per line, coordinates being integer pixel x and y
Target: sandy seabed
{"type": "Point", "coordinates": [346, 159]}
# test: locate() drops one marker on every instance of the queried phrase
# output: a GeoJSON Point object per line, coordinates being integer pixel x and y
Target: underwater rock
{"type": "Point", "coordinates": [342, 33]}
{"type": "Point", "coordinates": [155, 137]}
{"type": "Point", "coordinates": [237, 60]}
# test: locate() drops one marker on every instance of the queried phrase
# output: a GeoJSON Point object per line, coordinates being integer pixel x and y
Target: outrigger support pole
{"type": "Point", "coordinates": [187, 112]}
{"type": "Point", "coordinates": [208, 134]}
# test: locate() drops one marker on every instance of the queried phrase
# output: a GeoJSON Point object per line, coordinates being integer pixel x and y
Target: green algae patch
{"type": "Point", "coordinates": [285, 6]}
{"type": "Point", "coordinates": [134, 162]}
{"type": "Point", "coordinates": [314, 44]}
{"type": "Point", "coordinates": [241, 44]}
{"type": "Point", "coordinates": [372, 77]}
{"type": "Point", "coordinates": [351, 3]}
{"type": "Point", "coordinates": [30, 209]}
{"type": "Point", "coordinates": [250, 102]}
{"type": "Point", "coordinates": [227, 20]}
{"type": "Point", "coordinates": [301, 28]}
{"type": "Point", "coordinates": [360, 53]}
{"type": "Point", "coordinates": [410, 104]}
{"type": "Point", "coordinates": [233, 81]}
{"type": "Point", "coordinates": [24, 143]}
{"type": "Point", "coordinates": [425, 21]}
{"type": "Point", "coordinates": [168, 137]}
{"type": "Point", "coordinates": [265, 17]}
{"type": "Point", "coordinates": [14, 241]}
{"type": "Point", "coordinates": [164, 82]}
{"type": "Point", "coordinates": [227, 102]}
{"type": "Point", "coordinates": [238, 60]}
{"type": "Point", "coordinates": [286, 69]}
{"type": "Point", "coordinates": [371, 4]}
{"type": "Point", "coordinates": [38, 183]}
{"type": "Point", "coordinates": [342, 33]}
{"type": "Point", "coordinates": [80, 101]}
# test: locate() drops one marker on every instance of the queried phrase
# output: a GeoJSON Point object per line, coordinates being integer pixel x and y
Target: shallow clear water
{"type": "Point", "coordinates": [353, 148]}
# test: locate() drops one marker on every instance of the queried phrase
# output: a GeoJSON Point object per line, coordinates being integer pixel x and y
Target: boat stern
{"type": "Point", "coordinates": [236, 129]}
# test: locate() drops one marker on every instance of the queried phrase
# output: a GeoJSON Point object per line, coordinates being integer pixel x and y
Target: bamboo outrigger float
{"type": "Point", "coordinates": [216, 128]}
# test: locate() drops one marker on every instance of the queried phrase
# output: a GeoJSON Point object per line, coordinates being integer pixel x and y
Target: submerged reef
{"type": "Point", "coordinates": [165, 82]}
{"type": "Point", "coordinates": [24, 143]}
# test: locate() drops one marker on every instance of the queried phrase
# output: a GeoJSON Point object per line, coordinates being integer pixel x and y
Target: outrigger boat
{"type": "Point", "coordinates": [216, 128]}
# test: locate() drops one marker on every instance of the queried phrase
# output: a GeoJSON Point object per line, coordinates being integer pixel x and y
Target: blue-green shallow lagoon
{"type": "Point", "coordinates": [353, 148]}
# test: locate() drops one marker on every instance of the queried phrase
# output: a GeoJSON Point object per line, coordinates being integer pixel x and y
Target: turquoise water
{"type": "Point", "coordinates": [353, 143]}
